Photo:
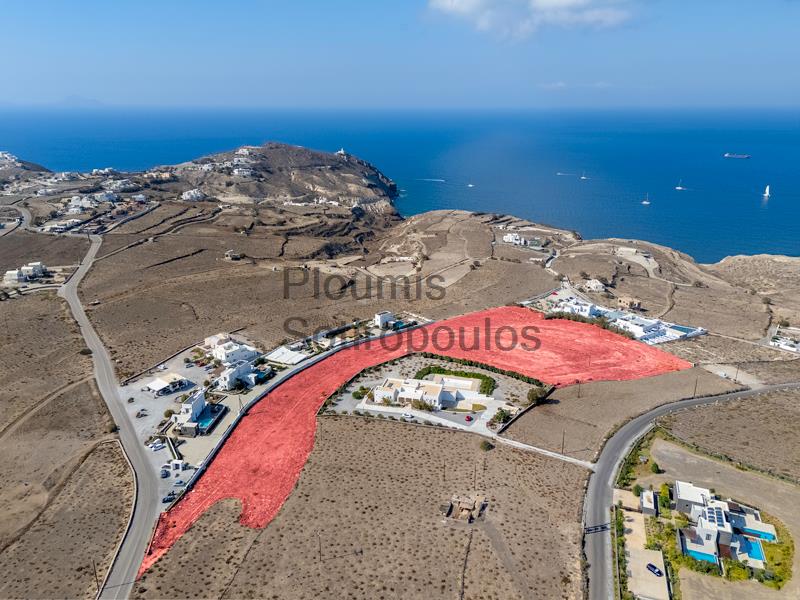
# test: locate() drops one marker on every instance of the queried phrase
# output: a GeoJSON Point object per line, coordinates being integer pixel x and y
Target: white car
{"type": "Point", "coordinates": [407, 416]}
{"type": "Point", "coordinates": [157, 447]}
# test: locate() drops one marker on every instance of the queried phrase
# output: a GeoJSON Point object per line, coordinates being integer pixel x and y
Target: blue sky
{"type": "Point", "coordinates": [402, 53]}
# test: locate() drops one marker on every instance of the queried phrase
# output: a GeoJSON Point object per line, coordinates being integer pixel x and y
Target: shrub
{"type": "Point", "coordinates": [637, 490]}
{"type": "Point", "coordinates": [85, 351]}
{"type": "Point", "coordinates": [168, 413]}
{"type": "Point", "coordinates": [422, 405]}
{"type": "Point", "coordinates": [654, 467]}
{"type": "Point", "coordinates": [486, 445]}
{"type": "Point", "coordinates": [537, 395]}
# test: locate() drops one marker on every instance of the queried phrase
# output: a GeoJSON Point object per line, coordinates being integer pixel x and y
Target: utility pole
{"type": "Point", "coordinates": [563, 435]}
{"type": "Point", "coordinates": [96, 580]}
{"type": "Point", "coordinates": [736, 377]}
{"type": "Point", "coordinates": [319, 543]}
{"type": "Point", "coordinates": [694, 394]}
{"type": "Point", "coordinates": [579, 389]}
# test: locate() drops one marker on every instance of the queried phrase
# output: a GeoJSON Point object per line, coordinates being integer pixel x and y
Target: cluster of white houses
{"type": "Point", "coordinates": [30, 272]}
{"type": "Point", "coordinates": [518, 240]}
{"type": "Point", "coordinates": [644, 329]}
{"type": "Point", "coordinates": [718, 528]}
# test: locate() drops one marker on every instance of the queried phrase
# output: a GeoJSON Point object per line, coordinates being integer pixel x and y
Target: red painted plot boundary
{"type": "Point", "coordinates": [262, 459]}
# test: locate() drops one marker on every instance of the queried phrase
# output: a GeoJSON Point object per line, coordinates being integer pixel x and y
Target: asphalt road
{"type": "Point", "coordinates": [147, 507]}
{"type": "Point", "coordinates": [601, 483]}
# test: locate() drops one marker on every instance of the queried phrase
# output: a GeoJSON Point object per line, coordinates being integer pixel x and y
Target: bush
{"type": "Point", "coordinates": [422, 405]}
{"type": "Point", "coordinates": [168, 413]}
{"type": "Point", "coordinates": [85, 351]}
{"type": "Point", "coordinates": [655, 468]}
{"type": "Point", "coordinates": [501, 416]}
{"type": "Point", "coordinates": [637, 490]}
{"type": "Point", "coordinates": [486, 445]}
{"type": "Point", "coordinates": [537, 395]}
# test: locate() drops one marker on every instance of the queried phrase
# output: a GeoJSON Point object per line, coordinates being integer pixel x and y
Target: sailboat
{"type": "Point", "coordinates": [680, 187]}
{"type": "Point", "coordinates": [766, 193]}
{"type": "Point", "coordinates": [646, 200]}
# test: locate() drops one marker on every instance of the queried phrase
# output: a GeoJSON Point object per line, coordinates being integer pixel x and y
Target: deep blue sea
{"type": "Point", "coordinates": [512, 161]}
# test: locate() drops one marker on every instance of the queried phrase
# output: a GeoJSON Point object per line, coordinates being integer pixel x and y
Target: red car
{"type": "Point", "coordinates": [468, 418]}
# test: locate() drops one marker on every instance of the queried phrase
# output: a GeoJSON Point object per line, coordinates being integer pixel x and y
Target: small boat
{"type": "Point", "coordinates": [734, 155]}
{"type": "Point", "coordinates": [646, 200]}
{"type": "Point", "coordinates": [680, 187]}
{"type": "Point", "coordinates": [470, 185]}
{"type": "Point", "coordinates": [766, 193]}
{"type": "Point", "coordinates": [584, 177]}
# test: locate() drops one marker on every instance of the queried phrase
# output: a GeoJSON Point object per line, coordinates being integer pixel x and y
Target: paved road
{"type": "Point", "coordinates": [147, 506]}
{"type": "Point", "coordinates": [601, 483]}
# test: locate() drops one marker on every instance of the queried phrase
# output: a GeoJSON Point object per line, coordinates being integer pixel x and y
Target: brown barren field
{"type": "Point", "coordinates": [585, 414]}
{"type": "Point", "coordinates": [84, 522]}
{"type": "Point", "coordinates": [369, 497]}
{"type": "Point", "coordinates": [21, 247]}
{"type": "Point", "coordinates": [760, 431]}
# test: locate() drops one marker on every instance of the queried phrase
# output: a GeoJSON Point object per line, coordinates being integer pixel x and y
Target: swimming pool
{"type": "Point", "coordinates": [752, 548]}
{"type": "Point", "coordinates": [764, 535]}
{"type": "Point", "coordinates": [702, 556]}
{"type": "Point", "coordinates": [682, 328]}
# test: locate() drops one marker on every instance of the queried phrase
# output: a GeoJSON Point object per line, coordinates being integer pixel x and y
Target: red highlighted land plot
{"type": "Point", "coordinates": [262, 459]}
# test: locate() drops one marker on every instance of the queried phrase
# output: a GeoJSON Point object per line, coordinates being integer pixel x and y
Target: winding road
{"type": "Point", "coordinates": [597, 538]}
{"type": "Point", "coordinates": [121, 578]}
{"type": "Point", "coordinates": [119, 581]}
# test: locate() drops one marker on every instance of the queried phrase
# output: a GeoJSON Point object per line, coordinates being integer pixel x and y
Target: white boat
{"type": "Point", "coordinates": [646, 200]}
{"type": "Point", "coordinates": [583, 176]}
{"type": "Point", "coordinates": [766, 193]}
{"type": "Point", "coordinates": [470, 185]}
{"type": "Point", "coordinates": [680, 187]}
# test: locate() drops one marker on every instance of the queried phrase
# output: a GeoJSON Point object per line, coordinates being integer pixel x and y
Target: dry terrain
{"type": "Point", "coordinates": [584, 415]}
{"type": "Point", "coordinates": [65, 487]}
{"type": "Point", "coordinates": [760, 431]}
{"type": "Point", "coordinates": [778, 498]}
{"type": "Point", "coordinates": [83, 523]}
{"type": "Point", "coordinates": [40, 345]}
{"type": "Point", "coordinates": [21, 247]}
{"type": "Point", "coordinates": [160, 296]}
{"type": "Point", "coordinates": [712, 349]}
{"type": "Point", "coordinates": [364, 522]}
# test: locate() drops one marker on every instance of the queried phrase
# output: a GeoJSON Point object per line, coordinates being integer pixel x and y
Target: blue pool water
{"type": "Point", "coordinates": [753, 548]}
{"type": "Point", "coordinates": [683, 328]}
{"type": "Point", "coordinates": [702, 556]}
{"type": "Point", "coordinates": [527, 164]}
{"type": "Point", "coordinates": [759, 534]}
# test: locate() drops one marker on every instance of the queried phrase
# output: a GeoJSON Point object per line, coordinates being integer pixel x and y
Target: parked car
{"type": "Point", "coordinates": [167, 499]}
{"type": "Point", "coordinates": [655, 570]}
{"type": "Point", "coordinates": [157, 447]}
{"type": "Point", "coordinates": [407, 416]}
{"type": "Point", "coordinates": [164, 473]}
{"type": "Point", "coordinates": [180, 482]}
{"type": "Point", "coordinates": [468, 418]}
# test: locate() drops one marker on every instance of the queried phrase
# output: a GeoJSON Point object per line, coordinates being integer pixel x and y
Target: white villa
{"type": "Point", "coordinates": [721, 528]}
{"type": "Point", "coordinates": [190, 410]}
{"type": "Point", "coordinates": [193, 195]}
{"type": "Point", "coordinates": [231, 352]}
{"type": "Point", "coordinates": [444, 391]}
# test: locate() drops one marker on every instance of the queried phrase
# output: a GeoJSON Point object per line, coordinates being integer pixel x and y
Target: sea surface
{"type": "Point", "coordinates": [529, 164]}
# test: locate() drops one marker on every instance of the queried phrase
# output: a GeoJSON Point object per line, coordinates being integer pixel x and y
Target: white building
{"type": "Point", "coordinates": [33, 270]}
{"type": "Point", "coordinates": [516, 239]}
{"type": "Point", "coordinates": [105, 197]}
{"type": "Point", "coordinates": [243, 172]}
{"type": "Point", "coordinates": [232, 352]}
{"type": "Point", "coordinates": [140, 198]}
{"type": "Point", "coordinates": [13, 277]}
{"type": "Point", "coordinates": [284, 355]}
{"type": "Point", "coordinates": [190, 409]}
{"type": "Point", "coordinates": [240, 371]}
{"type": "Point", "coordinates": [383, 319]}
{"type": "Point", "coordinates": [194, 195]}
{"type": "Point", "coordinates": [594, 285]}
{"type": "Point", "coordinates": [171, 382]}
{"type": "Point", "coordinates": [442, 392]}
